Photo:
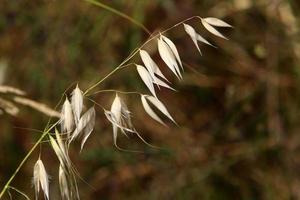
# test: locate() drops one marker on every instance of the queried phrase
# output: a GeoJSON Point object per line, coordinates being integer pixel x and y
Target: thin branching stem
{"type": "Point", "coordinates": [120, 66]}
{"type": "Point", "coordinates": [121, 14]}
{"type": "Point", "coordinates": [134, 52]}
{"type": "Point", "coordinates": [7, 185]}
{"type": "Point", "coordinates": [116, 91]}
{"type": "Point", "coordinates": [20, 192]}
{"type": "Point", "coordinates": [97, 104]}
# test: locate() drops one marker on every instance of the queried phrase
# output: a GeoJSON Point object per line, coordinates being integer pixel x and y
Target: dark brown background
{"type": "Point", "coordinates": [238, 106]}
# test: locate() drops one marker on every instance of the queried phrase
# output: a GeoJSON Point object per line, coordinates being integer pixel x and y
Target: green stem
{"type": "Point", "coordinates": [133, 53]}
{"type": "Point", "coordinates": [19, 191]}
{"type": "Point", "coordinates": [106, 7]}
{"type": "Point", "coordinates": [6, 186]}
{"type": "Point", "coordinates": [103, 79]}
{"type": "Point", "coordinates": [117, 91]}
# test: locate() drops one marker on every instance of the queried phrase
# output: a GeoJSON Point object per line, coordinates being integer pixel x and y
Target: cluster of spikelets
{"type": "Point", "coordinates": [75, 124]}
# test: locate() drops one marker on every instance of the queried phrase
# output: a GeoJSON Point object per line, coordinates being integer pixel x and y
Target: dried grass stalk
{"type": "Point", "coordinates": [9, 107]}
{"type": "Point", "coordinates": [37, 106]}
{"type": "Point", "coordinates": [12, 90]}
{"type": "Point", "coordinates": [66, 117]}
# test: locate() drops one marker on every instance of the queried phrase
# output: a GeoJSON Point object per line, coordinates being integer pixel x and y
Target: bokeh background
{"type": "Point", "coordinates": [238, 106]}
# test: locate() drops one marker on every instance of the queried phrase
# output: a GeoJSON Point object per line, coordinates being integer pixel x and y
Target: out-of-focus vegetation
{"type": "Point", "coordinates": [238, 106]}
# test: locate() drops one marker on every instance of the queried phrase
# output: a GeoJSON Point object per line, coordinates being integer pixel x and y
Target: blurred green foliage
{"type": "Point", "coordinates": [238, 106]}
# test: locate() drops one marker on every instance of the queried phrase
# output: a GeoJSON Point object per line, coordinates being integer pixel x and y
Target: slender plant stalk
{"type": "Point", "coordinates": [106, 7]}
{"type": "Point", "coordinates": [116, 91]}
{"type": "Point", "coordinates": [131, 55]}
{"type": "Point", "coordinates": [6, 186]}
{"type": "Point", "coordinates": [103, 79]}
{"type": "Point", "coordinates": [19, 191]}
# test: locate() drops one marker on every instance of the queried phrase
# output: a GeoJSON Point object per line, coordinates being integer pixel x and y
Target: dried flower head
{"type": "Point", "coordinates": [169, 54]}
{"type": "Point", "coordinates": [210, 22]}
{"type": "Point", "coordinates": [77, 103]}
{"type": "Point", "coordinates": [85, 126]}
{"type": "Point", "coordinates": [40, 177]}
{"type": "Point", "coordinates": [67, 119]}
{"type": "Point", "coordinates": [75, 123]}
{"type": "Point", "coordinates": [120, 117]}
{"type": "Point", "coordinates": [158, 104]}
{"type": "Point", "coordinates": [63, 184]}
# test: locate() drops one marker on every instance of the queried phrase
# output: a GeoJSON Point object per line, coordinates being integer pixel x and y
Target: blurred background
{"type": "Point", "coordinates": [238, 107]}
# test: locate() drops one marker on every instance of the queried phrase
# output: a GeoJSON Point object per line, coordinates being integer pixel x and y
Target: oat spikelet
{"type": "Point", "coordinates": [216, 22]}
{"type": "Point", "coordinates": [77, 103]}
{"type": "Point", "coordinates": [120, 117]}
{"type": "Point", "coordinates": [86, 125]}
{"type": "Point", "coordinates": [61, 149]}
{"type": "Point", "coordinates": [168, 55]}
{"type": "Point", "coordinates": [67, 177]}
{"type": "Point", "coordinates": [209, 24]}
{"type": "Point", "coordinates": [195, 36]}
{"type": "Point", "coordinates": [154, 72]}
{"type": "Point", "coordinates": [159, 82]}
{"type": "Point", "coordinates": [63, 184]}
{"type": "Point", "coordinates": [146, 78]}
{"type": "Point", "coordinates": [114, 116]}
{"type": "Point", "coordinates": [61, 144]}
{"type": "Point", "coordinates": [89, 127]}
{"type": "Point", "coordinates": [159, 105]}
{"type": "Point", "coordinates": [149, 110]}
{"type": "Point", "coordinates": [151, 65]}
{"type": "Point", "coordinates": [40, 177]}
{"type": "Point", "coordinates": [173, 49]}
{"type": "Point", "coordinates": [61, 153]}
{"type": "Point", "coordinates": [37, 106]}
{"type": "Point", "coordinates": [67, 119]}
{"type": "Point", "coordinates": [147, 62]}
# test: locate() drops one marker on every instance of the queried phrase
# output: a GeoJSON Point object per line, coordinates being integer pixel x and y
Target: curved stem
{"type": "Point", "coordinates": [103, 79]}
{"type": "Point", "coordinates": [6, 186]}
{"type": "Point", "coordinates": [117, 91]}
{"type": "Point", "coordinates": [121, 92]}
{"type": "Point", "coordinates": [133, 53]}
{"type": "Point", "coordinates": [106, 7]}
{"type": "Point", "coordinates": [19, 191]}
